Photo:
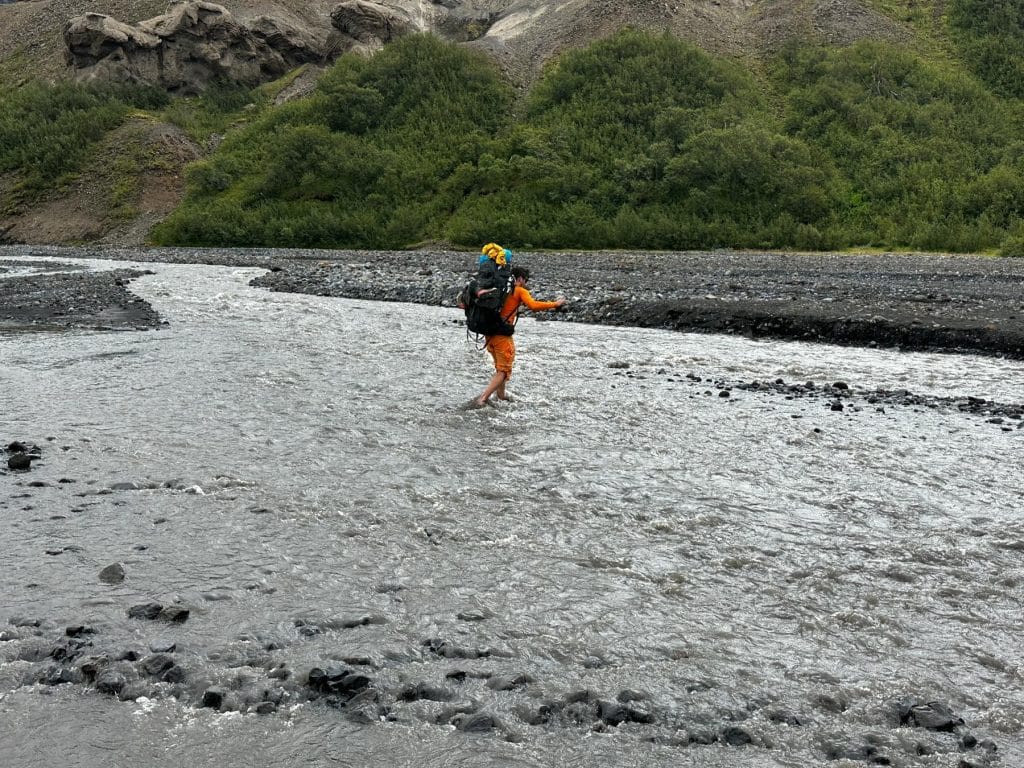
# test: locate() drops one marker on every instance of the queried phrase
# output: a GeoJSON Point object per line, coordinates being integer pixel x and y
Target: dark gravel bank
{"type": "Point", "coordinates": [907, 301]}
{"type": "Point", "coordinates": [913, 302]}
{"type": "Point", "coordinates": [35, 297]}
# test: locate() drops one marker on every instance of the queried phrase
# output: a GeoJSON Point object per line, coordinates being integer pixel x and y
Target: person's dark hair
{"type": "Point", "coordinates": [522, 272]}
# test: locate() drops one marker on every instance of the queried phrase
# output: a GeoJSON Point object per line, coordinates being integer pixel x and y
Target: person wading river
{"type": "Point", "coordinates": [502, 347]}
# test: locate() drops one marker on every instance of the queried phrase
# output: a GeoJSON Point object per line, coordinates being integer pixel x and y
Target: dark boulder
{"type": "Point", "coordinates": [110, 681]}
{"type": "Point", "coordinates": [931, 715]}
{"type": "Point", "coordinates": [20, 461]}
{"type": "Point", "coordinates": [174, 613]}
{"type": "Point", "coordinates": [145, 611]}
{"type": "Point", "coordinates": [338, 680]}
{"type": "Point", "coordinates": [112, 574]}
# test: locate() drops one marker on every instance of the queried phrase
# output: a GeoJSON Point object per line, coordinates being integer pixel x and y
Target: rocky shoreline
{"type": "Point", "coordinates": [937, 303]}
{"type": "Point", "coordinates": [943, 303]}
{"type": "Point", "coordinates": [41, 296]}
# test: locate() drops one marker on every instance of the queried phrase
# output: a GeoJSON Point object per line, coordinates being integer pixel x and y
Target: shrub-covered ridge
{"type": "Point", "coordinates": [634, 142]}
{"type": "Point", "coordinates": [637, 141]}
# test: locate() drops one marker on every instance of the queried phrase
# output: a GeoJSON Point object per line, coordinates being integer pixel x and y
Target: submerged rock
{"type": "Point", "coordinates": [112, 574]}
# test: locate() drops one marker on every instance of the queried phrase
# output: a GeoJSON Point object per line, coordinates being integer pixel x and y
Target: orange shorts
{"type": "Point", "coordinates": [503, 350]}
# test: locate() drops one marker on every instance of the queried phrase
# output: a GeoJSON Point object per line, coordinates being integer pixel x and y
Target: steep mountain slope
{"type": "Point", "coordinates": [523, 34]}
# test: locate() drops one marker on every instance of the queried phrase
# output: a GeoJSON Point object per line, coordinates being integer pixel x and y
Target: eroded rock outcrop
{"type": "Point", "coordinates": [186, 49]}
{"type": "Point", "coordinates": [372, 24]}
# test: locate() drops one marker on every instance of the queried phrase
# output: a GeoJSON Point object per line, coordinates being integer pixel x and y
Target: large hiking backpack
{"type": "Point", "coordinates": [483, 297]}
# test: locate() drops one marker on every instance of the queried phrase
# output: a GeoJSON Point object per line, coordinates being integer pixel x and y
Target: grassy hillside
{"type": "Point", "coordinates": [636, 141]}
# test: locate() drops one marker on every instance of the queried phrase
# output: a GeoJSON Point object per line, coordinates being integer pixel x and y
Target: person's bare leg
{"type": "Point", "coordinates": [500, 392]}
{"type": "Point", "coordinates": [497, 381]}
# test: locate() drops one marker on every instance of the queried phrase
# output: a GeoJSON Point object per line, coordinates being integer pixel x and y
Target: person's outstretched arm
{"type": "Point", "coordinates": [536, 306]}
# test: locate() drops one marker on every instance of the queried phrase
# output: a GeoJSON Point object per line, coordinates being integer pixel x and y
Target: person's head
{"type": "Point", "coordinates": [520, 273]}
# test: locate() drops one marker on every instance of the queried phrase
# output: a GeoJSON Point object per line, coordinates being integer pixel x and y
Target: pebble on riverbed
{"type": "Point", "coordinates": [20, 455]}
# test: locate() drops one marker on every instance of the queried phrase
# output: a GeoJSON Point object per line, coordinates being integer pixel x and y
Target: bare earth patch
{"type": "Point", "coordinates": [135, 180]}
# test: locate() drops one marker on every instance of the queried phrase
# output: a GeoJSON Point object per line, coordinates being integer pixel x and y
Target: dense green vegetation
{"type": "Point", "coordinates": [46, 132]}
{"type": "Point", "coordinates": [991, 36]}
{"type": "Point", "coordinates": [366, 161]}
{"type": "Point", "coordinates": [929, 158]}
{"type": "Point", "coordinates": [636, 141]}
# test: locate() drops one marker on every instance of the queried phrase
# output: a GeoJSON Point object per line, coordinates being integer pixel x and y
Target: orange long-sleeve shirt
{"type": "Point", "coordinates": [521, 297]}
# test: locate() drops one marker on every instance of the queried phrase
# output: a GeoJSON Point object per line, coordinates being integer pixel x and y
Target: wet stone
{"type": "Point", "coordinates": [508, 682]}
{"type": "Point", "coordinates": [425, 691]}
{"type": "Point", "coordinates": [174, 674]}
{"type": "Point", "coordinates": [337, 680]}
{"type": "Point", "coordinates": [59, 675]}
{"type": "Point", "coordinates": [736, 736]}
{"type": "Point", "coordinates": [478, 722]}
{"type": "Point", "coordinates": [19, 462]}
{"type": "Point", "coordinates": [110, 681]}
{"type": "Point", "coordinates": [541, 715]}
{"type": "Point", "coordinates": [448, 650]}
{"type": "Point", "coordinates": [213, 698]}
{"type": "Point", "coordinates": [701, 737]}
{"type": "Point", "coordinates": [174, 613]}
{"type": "Point", "coordinates": [785, 717]}
{"type": "Point", "coordinates": [358, 661]}
{"type": "Point", "coordinates": [145, 611]}
{"type": "Point", "coordinates": [157, 664]}
{"type": "Point", "coordinates": [611, 712]}
{"type": "Point", "coordinates": [112, 574]}
{"type": "Point", "coordinates": [932, 715]}
{"type": "Point", "coordinates": [365, 708]}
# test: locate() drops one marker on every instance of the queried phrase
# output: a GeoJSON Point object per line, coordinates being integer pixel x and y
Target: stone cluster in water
{"type": "Point", "coordinates": [255, 680]}
{"type": "Point", "coordinates": [445, 682]}
{"type": "Point", "coordinates": [72, 297]}
{"type": "Point", "coordinates": [840, 396]}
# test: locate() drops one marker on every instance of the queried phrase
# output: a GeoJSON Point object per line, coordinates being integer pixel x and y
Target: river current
{"type": "Point", "coordinates": [277, 462]}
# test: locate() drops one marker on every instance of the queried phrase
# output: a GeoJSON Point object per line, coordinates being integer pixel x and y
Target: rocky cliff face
{"type": "Point", "coordinates": [248, 42]}
{"type": "Point", "coordinates": [183, 50]}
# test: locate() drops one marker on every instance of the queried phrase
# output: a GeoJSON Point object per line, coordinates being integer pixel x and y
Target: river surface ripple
{"type": "Point", "coordinates": [613, 528]}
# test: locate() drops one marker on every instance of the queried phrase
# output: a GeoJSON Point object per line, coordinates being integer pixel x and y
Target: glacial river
{"type": "Point", "coordinates": [764, 579]}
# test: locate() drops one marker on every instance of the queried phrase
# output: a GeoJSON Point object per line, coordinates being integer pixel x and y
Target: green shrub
{"type": "Point", "coordinates": [47, 132]}
{"type": "Point", "coordinates": [360, 163]}
{"type": "Point", "coordinates": [990, 34]}
{"type": "Point", "coordinates": [1013, 245]}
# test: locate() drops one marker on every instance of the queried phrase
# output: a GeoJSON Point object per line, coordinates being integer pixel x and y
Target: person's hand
{"type": "Point", "coordinates": [559, 303]}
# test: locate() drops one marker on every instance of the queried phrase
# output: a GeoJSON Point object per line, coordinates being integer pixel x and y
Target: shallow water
{"type": "Point", "coordinates": [612, 528]}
